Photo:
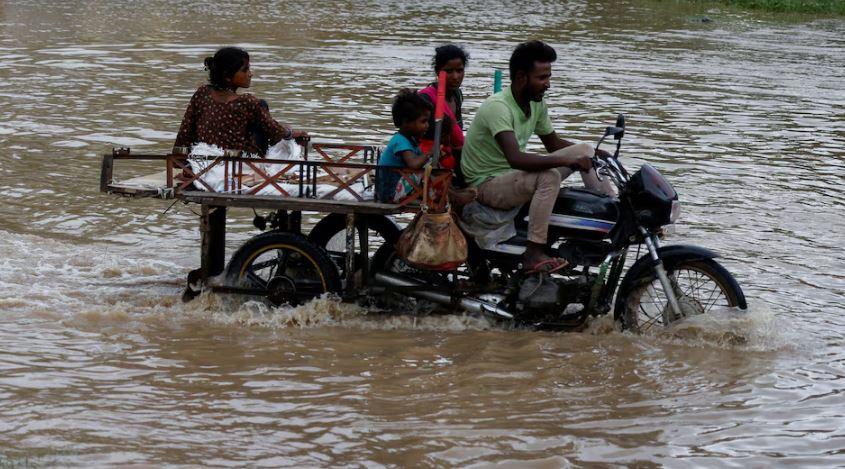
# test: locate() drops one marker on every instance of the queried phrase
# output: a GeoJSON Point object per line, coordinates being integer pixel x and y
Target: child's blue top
{"type": "Point", "coordinates": [392, 157]}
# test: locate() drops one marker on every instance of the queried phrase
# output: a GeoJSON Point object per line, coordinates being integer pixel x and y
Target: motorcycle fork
{"type": "Point", "coordinates": [614, 276]}
{"type": "Point", "coordinates": [652, 243]}
{"type": "Point", "coordinates": [607, 279]}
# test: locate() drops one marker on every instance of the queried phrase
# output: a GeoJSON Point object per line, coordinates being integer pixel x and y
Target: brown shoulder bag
{"type": "Point", "coordinates": [432, 241]}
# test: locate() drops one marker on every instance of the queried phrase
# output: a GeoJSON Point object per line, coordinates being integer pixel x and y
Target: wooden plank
{"type": "Point", "coordinates": [132, 191]}
{"type": "Point", "coordinates": [150, 185]}
{"type": "Point", "coordinates": [293, 203]}
{"type": "Point", "coordinates": [158, 179]}
{"type": "Point", "coordinates": [343, 145]}
{"type": "Point", "coordinates": [139, 156]}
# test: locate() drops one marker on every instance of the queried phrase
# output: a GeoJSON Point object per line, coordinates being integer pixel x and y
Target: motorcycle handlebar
{"type": "Point", "coordinates": [609, 163]}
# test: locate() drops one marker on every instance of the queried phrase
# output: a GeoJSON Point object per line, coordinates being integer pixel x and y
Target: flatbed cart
{"type": "Point", "coordinates": [282, 265]}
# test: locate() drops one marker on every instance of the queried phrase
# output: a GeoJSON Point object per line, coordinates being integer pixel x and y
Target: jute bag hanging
{"type": "Point", "coordinates": [433, 241]}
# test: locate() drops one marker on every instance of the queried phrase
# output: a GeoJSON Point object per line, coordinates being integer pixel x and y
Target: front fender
{"type": "Point", "coordinates": [670, 255]}
{"type": "Point", "coordinates": [675, 252]}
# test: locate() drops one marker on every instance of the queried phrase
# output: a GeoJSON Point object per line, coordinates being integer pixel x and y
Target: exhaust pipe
{"type": "Point", "coordinates": [474, 305]}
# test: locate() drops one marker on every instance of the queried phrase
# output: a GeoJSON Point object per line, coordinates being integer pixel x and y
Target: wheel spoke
{"type": "Point", "coordinates": [274, 266]}
{"type": "Point", "coordinates": [691, 282]}
{"type": "Point", "coordinates": [696, 290]}
{"type": "Point", "coordinates": [282, 257]}
{"type": "Point", "coordinates": [713, 296]}
{"type": "Point", "coordinates": [697, 284]}
{"type": "Point", "coordinates": [656, 303]}
{"type": "Point", "coordinates": [258, 266]}
{"type": "Point", "coordinates": [647, 314]}
{"type": "Point", "coordinates": [652, 320]}
{"type": "Point", "coordinates": [254, 280]}
{"type": "Point", "coordinates": [689, 285]}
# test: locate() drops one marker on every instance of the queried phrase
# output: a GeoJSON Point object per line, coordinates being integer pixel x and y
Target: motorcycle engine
{"type": "Point", "coordinates": [543, 294]}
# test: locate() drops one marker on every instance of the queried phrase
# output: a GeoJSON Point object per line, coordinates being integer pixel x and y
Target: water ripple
{"type": "Point", "coordinates": [103, 365]}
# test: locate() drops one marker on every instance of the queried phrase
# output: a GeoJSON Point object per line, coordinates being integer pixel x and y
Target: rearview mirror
{"type": "Point", "coordinates": [615, 131]}
{"type": "Point", "coordinates": [620, 124]}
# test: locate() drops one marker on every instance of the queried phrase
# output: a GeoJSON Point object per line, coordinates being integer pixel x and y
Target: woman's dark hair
{"type": "Point", "coordinates": [527, 53]}
{"type": "Point", "coordinates": [408, 106]}
{"type": "Point", "coordinates": [225, 63]}
{"type": "Point", "coordinates": [446, 53]}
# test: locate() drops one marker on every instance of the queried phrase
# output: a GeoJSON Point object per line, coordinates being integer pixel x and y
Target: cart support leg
{"type": "Point", "coordinates": [106, 171]}
{"type": "Point", "coordinates": [365, 252]}
{"type": "Point", "coordinates": [350, 254]}
{"type": "Point", "coordinates": [213, 248]}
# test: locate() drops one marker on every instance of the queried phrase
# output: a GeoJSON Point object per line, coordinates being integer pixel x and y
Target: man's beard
{"type": "Point", "coordinates": [526, 91]}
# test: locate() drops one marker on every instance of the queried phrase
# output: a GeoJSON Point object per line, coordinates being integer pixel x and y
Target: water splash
{"type": "Point", "coordinates": [753, 330]}
{"type": "Point", "coordinates": [325, 311]}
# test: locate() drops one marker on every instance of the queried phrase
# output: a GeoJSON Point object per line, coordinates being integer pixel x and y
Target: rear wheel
{"type": "Point", "coordinates": [387, 261]}
{"type": "Point", "coordinates": [701, 286]}
{"type": "Point", "coordinates": [473, 277]}
{"type": "Point", "coordinates": [283, 267]}
{"type": "Point", "coordinates": [330, 234]}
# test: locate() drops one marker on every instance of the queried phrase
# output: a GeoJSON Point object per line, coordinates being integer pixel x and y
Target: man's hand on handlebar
{"type": "Point", "coordinates": [582, 163]}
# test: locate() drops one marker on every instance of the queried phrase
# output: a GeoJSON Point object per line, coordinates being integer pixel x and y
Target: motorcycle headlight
{"type": "Point", "coordinates": [676, 211]}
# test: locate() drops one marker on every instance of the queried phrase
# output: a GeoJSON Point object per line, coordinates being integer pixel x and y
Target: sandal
{"type": "Point", "coordinates": [547, 266]}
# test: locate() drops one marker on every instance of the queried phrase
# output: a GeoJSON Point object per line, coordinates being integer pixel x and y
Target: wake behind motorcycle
{"type": "Point", "coordinates": [595, 233]}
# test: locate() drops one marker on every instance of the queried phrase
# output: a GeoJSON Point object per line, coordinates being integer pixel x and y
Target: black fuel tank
{"type": "Point", "coordinates": [584, 213]}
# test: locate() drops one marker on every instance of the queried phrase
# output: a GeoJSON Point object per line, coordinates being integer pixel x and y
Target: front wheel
{"type": "Point", "coordinates": [283, 267]}
{"type": "Point", "coordinates": [701, 286]}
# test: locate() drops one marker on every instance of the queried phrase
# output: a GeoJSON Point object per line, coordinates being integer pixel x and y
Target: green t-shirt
{"type": "Point", "coordinates": [481, 156]}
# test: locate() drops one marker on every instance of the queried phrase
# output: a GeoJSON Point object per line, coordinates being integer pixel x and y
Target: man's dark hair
{"type": "Point", "coordinates": [225, 63]}
{"type": "Point", "coordinates": [446, 53]}
{"type": "Point", "coordinates": [527, 54]}
{"type": "Point", "coordinates": [408, 106]}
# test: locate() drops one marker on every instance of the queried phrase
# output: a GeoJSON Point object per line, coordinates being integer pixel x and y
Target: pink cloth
{"type": "Point", "coordinates": [456, 133]}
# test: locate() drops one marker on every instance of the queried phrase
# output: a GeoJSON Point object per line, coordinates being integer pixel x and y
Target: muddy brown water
{"type": "Point", "coordinates": [100, 363]}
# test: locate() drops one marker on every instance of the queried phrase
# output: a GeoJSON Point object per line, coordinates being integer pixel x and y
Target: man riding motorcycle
{"type": "Point", "coordinates": [504, 174]}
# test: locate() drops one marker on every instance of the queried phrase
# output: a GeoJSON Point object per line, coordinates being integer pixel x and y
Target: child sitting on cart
{"type": "Point", "coordinates": [410, 115]}
{"type": "Point", "coordinates": [447, 155]}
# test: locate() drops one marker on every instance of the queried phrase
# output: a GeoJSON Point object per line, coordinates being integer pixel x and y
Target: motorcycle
{"type": "Point", "coordinates": [595, 233]}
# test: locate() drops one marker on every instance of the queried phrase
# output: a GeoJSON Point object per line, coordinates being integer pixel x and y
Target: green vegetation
{"type": "Point", "coordinates": [790, 6]}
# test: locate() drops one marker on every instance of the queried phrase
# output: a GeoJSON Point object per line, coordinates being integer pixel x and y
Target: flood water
{"type": "Point", "coordinates": [101, 364]}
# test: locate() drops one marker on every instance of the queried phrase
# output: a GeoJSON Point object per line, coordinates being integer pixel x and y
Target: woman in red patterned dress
{"type": "Point", "coordinates": [218, 115]}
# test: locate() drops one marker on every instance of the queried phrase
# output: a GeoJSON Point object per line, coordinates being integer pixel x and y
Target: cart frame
{"type": "Point", "coordinates": [357, 162]}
